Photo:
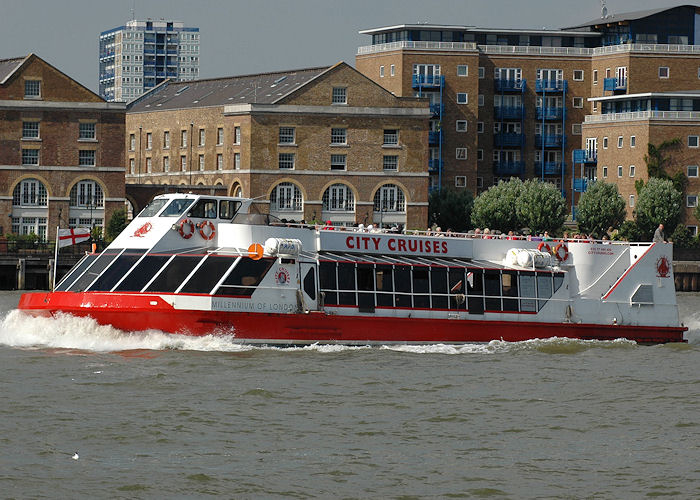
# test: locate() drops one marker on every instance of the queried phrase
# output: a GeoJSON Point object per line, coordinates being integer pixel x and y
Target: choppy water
{"type": "Point", "coordinates": [161, 416]}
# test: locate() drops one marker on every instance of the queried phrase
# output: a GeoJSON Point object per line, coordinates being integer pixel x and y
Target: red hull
{"type": "Point", "coordinates": [136, 312]}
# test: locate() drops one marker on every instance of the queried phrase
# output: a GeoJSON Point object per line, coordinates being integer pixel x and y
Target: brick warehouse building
{"type": "Point", "coordinates": [310, 144]}
{"type": "Point", "coordinates": [513, 102]}
{"type": "Point", "coordinates": [61, 160]}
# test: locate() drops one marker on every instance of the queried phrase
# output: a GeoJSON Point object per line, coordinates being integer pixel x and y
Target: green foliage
{"type": "Point", "coordinates": [659, 203]}
{"type": "Point", "coordinates": [541, 207]}
{"type": "Point", "coordinates": [116, 224]}
{"type": "Point", "coordinates": [451, 209]}
{"type": "Point", "coordinates": [495, 208]}
{"type": "Point", "coordinates": [31, 237]}
{"type": "Point", "coordinates": [657, 162]}
{"type": "Point", "coordinates": [599, 208]}
{"type": "Point", "coordinates": [682, 238]}
{"type": "Point", "coordinates": [628, 232]}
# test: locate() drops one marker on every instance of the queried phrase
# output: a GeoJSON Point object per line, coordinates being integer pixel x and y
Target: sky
{"type": "Point", "coordinates": [254, 36]}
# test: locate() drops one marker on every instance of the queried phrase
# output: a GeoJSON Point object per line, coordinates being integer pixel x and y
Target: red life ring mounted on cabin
{"type": "Point", "coordinates": [544, 244]}
{"type": "Point", "coordinates": [186, 222]}
{"type": "Point", "coordinates": [561, 256]}
{"type": "Point", "coordinates": [206, 224]}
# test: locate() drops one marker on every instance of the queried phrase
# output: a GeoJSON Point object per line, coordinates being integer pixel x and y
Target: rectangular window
{"type": "Point", "coordinates": [692, 141]}
{"type": "Point", "coordinates": [576, 129]}
{"type": "Point", "coordinates": [462, 70]}
{"type": "Point", "coordinates": [392, 70]}
{"type": "Point", "coordinates": [605, 172]}
{"type": "Point", "coordinates": [620, 141]}
{"type": "Point", "coordinates": [578, 102]}
{"type": "Point", "coordinates": [631, 200]}
{"type": "Point", "coordinates": [619, 170]}
{"type": "Point", "coordinates": [691, 201]}
{"type": "Point", "coordinates": [201, 136]}
{"type": "Point", "coordinates": [481, 100]}
{"type": "Point", "coordinates": [183, 163]}
{"type": "Point", "coordinates": [693, 230]}
{"type": "Point", "coordinates": [219, 161]}
{"type": "Point", "coordinates": [236, 161]}
{"type": "Point", "coordinates": [236, 135]}
{"type": "Point", "coordinates": [391, 162]}
{"type": "Point", "coordinates": [219, 136]}
{"type": "Point", "coordinates": [479, 127]}
{"type": "Point", "coordinates": [86, 158]}
{"type": "Point", "coordinates": [338, 162]}
{"type": "Point", "coordinates": [287, 135]}
{"type": "Point", "coordinates": [595, 77]}
{"type": "Point", "coordinates": [462, 98]}
{"type": "Point", "coordinates": [595, 106]}
{"type": "Point", "coordinates": [286, 161]}
{"type": "Point", "coordinates": [30, 130]}
{"type": "Point", "coordinates": [460, 181]}
{"type": "Point", "coordinates": [480, 154]}
{"type": "Point", "coordinates": [663, 72]}
{"type": "Point", "coordinates": [692, 170]}
{"type": "Point", "coordinates": [340, 95]}
{"type": "Point", "coordinates": [166, 164]}
{"type": "Point", "coordinates": [183, 138]}
{"type": "Point", "coordinates": [381, 71]}
{"type": "Point", "coordinates": [461, 153]}
{"type": "Point", "coordinates": [632, 169]}
{"type": "Point", "coordinates": [479, 182]}
{"type": "Point", "coordinates": [461, 125]}
{"type": "Point", "coordinates": [132, 166]}
{"type": "Point", "coordinates": [32, 89]}
{"type": "Point", "coordinates": [482, 72]}
{"type": "Point", "coordinates": [201, 163]}
{"type": "Point", "coordinates": [578, 75]}
{"type": "Point", "coordinates": [391, 137]}
{"type": "Point", "coordinates": [30, 157]}
{"type": "Point", "coordinates": [132, 142]}
{"type": "Point", "coordinates": [339, 136]}
{"type": "Point", "coordinates": [149, 140]}
{"type": "Point", "coordinates": [166, 140]}
{"type": "Point", "coordinates": [86, 131]}
{"type": "Point", "coordinates": [149, 165]}
{"type": "Point", "coordinates": [605, 143]}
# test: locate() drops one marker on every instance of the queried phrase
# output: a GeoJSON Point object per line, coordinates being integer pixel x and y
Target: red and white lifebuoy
{"type": "Point", "coordinates": [202, 226]}
{"type": "Point", "coordinates": [561, 252]}
{"type": "Point", "coordinates": [186, 234]}
{"type": "Point", "coordinates": [545, 245]}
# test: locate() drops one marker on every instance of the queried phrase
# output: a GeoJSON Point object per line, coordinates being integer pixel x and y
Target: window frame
{"type": "Point", "coordinates": [688, 203]}
{"type": "Point", "coordinates": [33, 123]}
{"type": "Point", "coordinates": [582, 75]}
{"type": "Point", "coordinates": [30, 153]}
{"type": "Point", "coordinates": [335, 161]}
{"type": "Point", "coordinates": [393, 137]}
{"type": "Point", "coordinates": [285, 159]}
{"type": "Point", "coordinates": [339, 96]}
{"type": "Point", "coordinates": [465, 124]}
{"type": "Point", "coordinates": [464, 67]}
{"type": "Point", "coordinates": [88, 155]}
{"type": "Point", "coordinates": [29, 84]}
{"type": "Point", "coordinates": [667, 72]}
{"type": "Point", "coordinates": [87, 131]}
{"type": "Point", "coordinates": [696, 140]}
{"type": "Point", "coordinates": [285, 137]}
{"type": "Point", "coordinates": [339, 136]}
{"type": "Point", "coordinates": [688, 167]}
{"type": "Point", "coordinates": [462, 98]}
{"type": "Point", "coordinates": [461, 153]}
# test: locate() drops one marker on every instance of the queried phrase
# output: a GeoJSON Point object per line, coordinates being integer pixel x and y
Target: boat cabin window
{"type": "Point", "coordinates": [92, 272]}
{"type": "Point", "coordinates": [117, 270]}
{"type": "Point", "coordinates": [176, 207]}
{"type": "Point", "coordinates": [142, 273]}
{"type": "Point", "coordinates": [76, 272]}
{"type": "Point", "coordinates": [228, 208]}
{"type": "Point", "coordinates": [174, 273]}
{"type": "Point", "coordinates": [209, 274]}
{"type": "Point", "coordinates": [153, 207]}
{"type": "Point", "coordinates": [245, 276]}
{"type": "Point", "coordinates": [203, 209]}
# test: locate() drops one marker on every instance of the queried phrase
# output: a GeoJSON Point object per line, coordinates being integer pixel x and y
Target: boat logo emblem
{"type": "Point", "coordinates": [141, 232]}
{"type": "Point", "coordinates": [663, 268]}
{"type": "Point", "coordinates": [282, 276]}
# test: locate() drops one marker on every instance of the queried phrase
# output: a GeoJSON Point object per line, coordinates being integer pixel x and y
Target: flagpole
{"type": "Point", "coordinates": [55, 259]}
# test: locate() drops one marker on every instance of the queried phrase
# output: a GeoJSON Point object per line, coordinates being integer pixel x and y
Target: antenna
{"type": "Point", "coordinates": [603, 9]}
{"type": "Point", "coordinates": [133, 10]}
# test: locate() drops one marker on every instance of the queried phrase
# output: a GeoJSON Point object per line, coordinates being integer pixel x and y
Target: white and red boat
{"type": "Point", "coordinates": [199, 265]}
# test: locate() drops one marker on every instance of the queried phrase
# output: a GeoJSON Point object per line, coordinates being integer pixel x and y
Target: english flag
{"type": "Point", "coordinates": [67, 237]}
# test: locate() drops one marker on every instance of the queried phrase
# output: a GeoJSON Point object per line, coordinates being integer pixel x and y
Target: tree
{"type": "Point", "coordinates": [541, 207]}
{"type": "Point", "coordinates": [659, 203]}
{"type": "Point", "coordinates": [599, 208]}
{"type": "Point", "coordinates": [116, 224]}
{"type": "Point", "coordinates": [495, 208]}
{"type": "Point", "coordinates": [451, 209]}
{"type": "Point", "coordinates": [657, 162]}
{"type": "Point", "coordinates": [682, 238]}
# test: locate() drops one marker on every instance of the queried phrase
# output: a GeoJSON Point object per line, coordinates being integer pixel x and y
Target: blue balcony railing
{"type": "Point", "coordinates": [581, 185]}
{"type": "Point", "coordinates": [434, 137]}
{"type": "Point", "coordinates": [585, 156]}
{"type": "Point", "coordinates": [551, 113]}
{"type": "Point", "coordinates": [614, 84]}
{"type": "Point", "coordinates": [107, 76]}
{"type": "Point", "coordinates": [550, 140]}
{"type": "Point", "coordinates": [509, 112]}
{"type": "Point", "coordinates": [509, 85]}
{"type": "Point", "coordinates": [551, 85]}
{"type": "Point", "coordinates": [434, 165]}
{"type": "Point", "coordinates": [435, 81]}
{"type": "Point", "coordinates": [437, 109]}
{"type": "Point", "coordinates": [550, 167]}
{"type": "Point", "coordinates": [508, 167]}
{"type": "Point", "coordinates": [508, 139]}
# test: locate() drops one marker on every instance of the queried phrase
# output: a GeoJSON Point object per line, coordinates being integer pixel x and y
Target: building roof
{"type": "Point", "coordinates": [626, 16]}
{"type": "Point", "coordinates": [676, 94]}
{"type": "Point", "coordinates": [473, 29]}
{"type": "Point", "coordinates": [263, 88]}
{"type": "Point", "coordinates": [9, 66]}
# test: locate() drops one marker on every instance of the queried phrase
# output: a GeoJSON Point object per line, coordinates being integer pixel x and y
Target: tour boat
{"type": "Point", "coordinates": [201, 265]}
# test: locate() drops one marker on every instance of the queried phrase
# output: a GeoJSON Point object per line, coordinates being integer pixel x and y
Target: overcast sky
{"type": "Point", "coordinates": [251, 36]}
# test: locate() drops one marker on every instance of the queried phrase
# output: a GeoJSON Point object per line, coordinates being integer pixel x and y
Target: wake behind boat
{"type": "Point", "coordinates": [198, 265]}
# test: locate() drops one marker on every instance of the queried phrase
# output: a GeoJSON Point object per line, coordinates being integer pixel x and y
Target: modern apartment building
{"type": "Point", "coordinates": [137, 57]}
{"type": "Point", "coordinates": [309, 144]}
{"type": "Point", "coordinates": [514, 102]}
{"type": "Point", "coordinates": [61, 160]}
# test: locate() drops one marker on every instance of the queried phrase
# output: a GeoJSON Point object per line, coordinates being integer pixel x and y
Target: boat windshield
{"type": "Point", "coordinates": [153, 207]}
{"type": "Point", "coordinates": [177, 207]}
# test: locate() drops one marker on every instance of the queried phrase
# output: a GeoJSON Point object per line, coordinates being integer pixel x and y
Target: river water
{"type": "Point", "coordinates": [90, 412]}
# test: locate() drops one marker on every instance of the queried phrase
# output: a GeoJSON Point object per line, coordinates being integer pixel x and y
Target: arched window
{"type": "Point", "coordinates": [238, 191]}
{"type": "Point", "coordinates": [30, 193]}
{"type": "Point", "coordinates": [286, 197]}
{"type": "Point", "coordinates": [87, 194]}
{"type": "Point", "coordinates": [389, 198]}
{"type": "Point", "coordinates": [339, 198]}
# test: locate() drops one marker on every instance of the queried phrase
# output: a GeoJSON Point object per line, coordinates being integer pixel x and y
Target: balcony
{"type": "Point", "coordinates": [508, 167]}
{"type": "Point", "coordinates": [551, 85]}
{"type": "Point", "coordinates": [551, 113]}
{"type": "Point", "coordinates": [615, 84]}
{"type": "Point", "coordinates": [149, 72]}
{"type": "Point", "coordinates": [434, 165]}
{"type": "Point", "coordinates": [172, 74]}
{"type": "Point", "coordinates": [437, 109]}
{"type": "Point", "coordinates": [550, 140]}
{"type": "Point", "coordinates": [508, 139]}
{"type": "Point", "coordinates": [585, 156]}
{"type": "Point", "coordinates": [434, 137]}
{"type": "Point", "coordinates": [508, 85]}
{"type": "Point", "coordinates": [107, 76]}
{"type": "Point", "coordinates": [550, 167]}
{"type": "Point", "coordinates": [428, 81]}
{"type": "Point", "coordinates": [581, 185]}
{"type": "Point", "coordinates": [509, 112]}
{"type": "Point", "coordinates": [149, 51]}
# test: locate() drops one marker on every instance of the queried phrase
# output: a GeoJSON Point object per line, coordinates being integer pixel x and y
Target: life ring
{"type": "Point", "coordinates": [186, 222]}
{"type": "Point", "coordinates": [206, 224]}
{"type": "Point", "coordinates": [544, 244]}
{"type": "Point", "coordinates": [561, 257]}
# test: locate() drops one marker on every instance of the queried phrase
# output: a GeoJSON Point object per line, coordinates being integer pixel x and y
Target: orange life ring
{"type": "Point", "coordinates": [206, 224]}
{"type": "Point", "coordinates": [561, 257]}
{"type": "Point", "coordinates": [544, 244]}
{"type": "Point", "coordinates": [181, 230]}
